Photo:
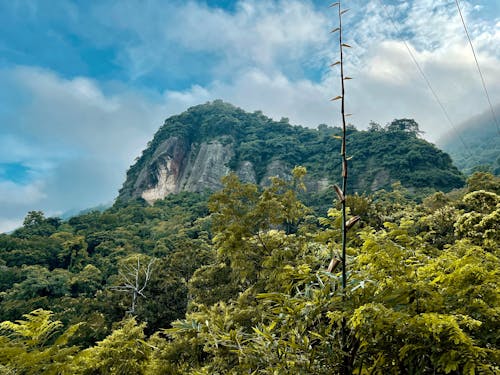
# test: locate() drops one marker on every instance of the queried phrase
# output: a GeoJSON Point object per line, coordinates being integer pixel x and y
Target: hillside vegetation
{"type": "Point", "coordinates": [380, 155]}
{"type": "Point", "coordinates": [237, 283]}
{"type": "Point", "coordinates": [476, 145]}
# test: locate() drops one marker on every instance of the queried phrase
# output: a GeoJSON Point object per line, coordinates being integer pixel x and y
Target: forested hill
{"type": "Point", "coordinates": [476, 144]}
{"type": "Point", "coordinates": [239, 284]}
{"type": "Point", "coordinates": [193, 150]}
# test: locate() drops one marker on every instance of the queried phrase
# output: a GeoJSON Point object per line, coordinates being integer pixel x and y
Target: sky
{"type": "Point", "coordinates": [84, 85]}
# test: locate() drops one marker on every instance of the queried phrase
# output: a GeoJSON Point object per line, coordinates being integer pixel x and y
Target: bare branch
{"type": "Point", "coordinates": [131, 277]}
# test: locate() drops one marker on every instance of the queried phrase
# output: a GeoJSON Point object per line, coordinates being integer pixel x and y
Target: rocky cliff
{"type": "Point", "coordinates": [194, 150]}
{"type": "Point", "coordinates": [177, 166]}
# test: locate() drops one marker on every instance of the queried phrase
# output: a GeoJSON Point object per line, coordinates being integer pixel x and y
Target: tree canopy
{"type": "Point", "coordinates": [240, 285]}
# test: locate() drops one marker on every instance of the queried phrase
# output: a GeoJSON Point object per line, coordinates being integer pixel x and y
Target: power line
{"type": "Point", "coordinates": [478, 68]}
{"type": "Point", "coordinates": [427, 81]}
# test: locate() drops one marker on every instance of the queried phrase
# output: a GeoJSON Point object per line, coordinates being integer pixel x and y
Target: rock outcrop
{"type": "Point", "coordinates": [194, 150]}
{"type": "Point", "coordinates": [207, 164]}
{"type": "Point", "coordinates": [176, 167]}
{"type": "Point", "coordinates": [163, 173]}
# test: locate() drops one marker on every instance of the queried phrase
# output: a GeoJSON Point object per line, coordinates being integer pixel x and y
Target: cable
{"type": "Point", "coordinates": [478, 68]}
{"type": "Point", "coordinates": [427, 81]}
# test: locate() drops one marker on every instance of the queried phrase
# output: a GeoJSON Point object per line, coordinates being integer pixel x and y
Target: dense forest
{"type": "Point", "coordinates": [237, 282]}
{"type": "Point", "coordinates": [380, 155]}
{"type": "Point", "coordinates": [475, 145]}
{"type": "Point", "coordinates": [257, 275]}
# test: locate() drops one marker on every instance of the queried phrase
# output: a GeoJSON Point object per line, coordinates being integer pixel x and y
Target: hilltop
{"type": "Point", "coordinates": [194, 150]}
{"type": "Point", "coordinates": [475, 144]}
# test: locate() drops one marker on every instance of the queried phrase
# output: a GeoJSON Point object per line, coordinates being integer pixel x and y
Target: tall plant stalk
{"type": "Point", "coordinates": [343, 153]}
{"type": "Point", "coordinates": [345, 359]}
{"type": "Point", "coordinates": [342, 193]}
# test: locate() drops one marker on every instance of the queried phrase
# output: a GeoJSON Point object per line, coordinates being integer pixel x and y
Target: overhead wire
{"type": "Point", "coordinates": [434, 94]}
{"type": "Point", "coordinates": [495, 119]}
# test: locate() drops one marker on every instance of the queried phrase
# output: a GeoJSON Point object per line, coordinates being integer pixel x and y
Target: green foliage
{"type": "Point", "coordinates": [244, 289]}
{"type": "Point", "coordinates": [124, 352]}
{"type": "Point", "coordinates": [243, 218]}
{"type": "Point", "coordinates": [30, 347]}
{"type": "Point", "coordinates": [482, 146]}
{"type": "Point", "coordinates": [484, 181]}
{"type": "Point", "coordinates": [410, 308]}
{"type": "Point", "coordinates": [481, 221]}
{"type": "Point", "coordinates": [71, 268]}
{"type": "Point", "coordinates": [380, 156]}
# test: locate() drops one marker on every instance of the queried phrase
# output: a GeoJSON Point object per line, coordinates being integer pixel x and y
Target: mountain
{"type": "Point", "coordinates": [77, 212]}
{"type": "Point", "coordinates": [475, 144]}
{"type": "Point", "coordinates": [194, 150]}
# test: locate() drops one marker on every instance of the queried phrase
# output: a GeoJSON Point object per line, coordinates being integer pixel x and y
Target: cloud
{"type": "Point", "coordinates": [191, 39]}
{"type": "Point", "coordinates": [387, 83]}
{"type": "Point", "coordinates": [77, 134]}
{"type": "Point", "coordinates": [302, 101]}
{"type": "Point", "coordinates": [76, 117]}
{"type": "Point", "coordinates": [12, 193]}
{"type": "Point", "coordinates": [75, 139]}
{"type": "Point", "coordinates": [16, 200]}
{"type": "Point", "coordinates": [7, 225]}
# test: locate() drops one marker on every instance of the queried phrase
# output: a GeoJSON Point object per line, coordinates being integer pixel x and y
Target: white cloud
{"type": "Point", "coordinates": [302, 101]}
{"type": "Point", "coordinates": [80, 135]}
{"type": "Point", "coordinates": [76, 140]}
{"type": "Point", "coordinates": [264, 34]}
{"type": "Point", "coordinates": [7, 225]}
{"type": "Point", "coordinates": [76, 116]}
{"type": "Point", "coordinates": [12, 193]}
{"type": "Point", "coordinates": [388, 84]}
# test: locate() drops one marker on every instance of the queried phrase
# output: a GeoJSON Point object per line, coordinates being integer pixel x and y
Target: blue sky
{"type": "Point", "coordinates": [85, 84]}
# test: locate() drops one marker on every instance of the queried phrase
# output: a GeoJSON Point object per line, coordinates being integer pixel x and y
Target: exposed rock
{"type": "Point", "coordinates": [173, 169]}
{"type": "Point", "coordinates": [381, 179]}
{"type": "Point", "coordinates": [246, 172]}
{"type": "Point", "coordinates": [316, 185]}
{"type": "Point", "coordinates": [161, 176]}
{"type": "Point", "coordinates": [276, 168]}
{"type": "Point", "coordinates": [166, 183]}
{"type": "Point", "coordinates": [208, 167]}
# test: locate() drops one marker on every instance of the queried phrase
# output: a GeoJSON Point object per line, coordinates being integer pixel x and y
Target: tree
{"type": "Point", "coordinates": [134, 278]}
{"type": "Point", "coordinates": [483, 181]}
{"type": "Point", "coordinates": [123, 352]}
{"type": "Point", "coordinates": [34, 218]}
{"type": "Point", "coordinates": [29, 346]}
{"type": "Point", "coordinates": [404, 125]}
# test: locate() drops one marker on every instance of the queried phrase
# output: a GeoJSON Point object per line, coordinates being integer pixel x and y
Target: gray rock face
{"type": "Point", "coordinates": [316, 185]}
{"type": "Point", "coordinates": [380, 179]}
{"type": "Point", "coordinates": [161, 177]}
{"type": "Point", "coordinates": [277, 168]}
{"type": "Point", "coordinates": [177, 166]}
{"type": "Point", "coordinates": [246, 172]}
{"type": "Point", "coordinates": [207, 166]}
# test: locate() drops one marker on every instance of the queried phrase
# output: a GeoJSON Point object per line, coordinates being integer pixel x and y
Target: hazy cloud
{"type": "Point", "coordinates": [75, 140]}
{"type": "Point", "coordinates": [76, 135]}
{"type": "Point", "coordinates": [269, 35]}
